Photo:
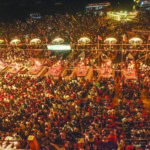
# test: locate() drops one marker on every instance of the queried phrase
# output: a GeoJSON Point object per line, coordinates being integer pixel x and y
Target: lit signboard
{"type": "Point", "coordinates": [59, 47]}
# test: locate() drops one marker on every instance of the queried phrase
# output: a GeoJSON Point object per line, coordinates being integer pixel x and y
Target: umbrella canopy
{"type": "Point", "coordinates": [84, 40]}
{"type": "Point", "coordinates": [15, 41]}
{"type": "Point", "coordinates": [110, 40]}
{"type": "Point", "coordinates": [58, 41]}
{"type": "Point", "coordinates": [135, 40]}
{"type": "Point", "coordinates": [35, 41]}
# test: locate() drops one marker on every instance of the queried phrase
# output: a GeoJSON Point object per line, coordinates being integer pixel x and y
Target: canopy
{"type": "Point", "coordinates": [110, 40]}
{"type": "Point", "coordinates": [84, 40]}
{"type": "Point", "coordinates": [35, 41]}
{"type": "Point", "coordinates": [15, 41]}
{"type": "Point", "coordinates": [135, 40]}
{"type": "Point", "coordinates": [58, 41]}
{"type": "Point", "coordinates": [1, 41]}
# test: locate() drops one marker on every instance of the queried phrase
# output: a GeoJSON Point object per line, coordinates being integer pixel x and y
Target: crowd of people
{"type": "Point", "coordinates": [75, 113]}
{"type": "Point", "coordinates": [69, 27]}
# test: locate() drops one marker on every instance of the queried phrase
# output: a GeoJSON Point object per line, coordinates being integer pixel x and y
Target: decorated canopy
{"type": "Point", "coordinates": [15, 41]}
{"type": "Point", "coordinates": [110, 40]}
{"type": "Point", "coordinates": [58, 41]}
{"type": "Point", "coordinates": [35, 41]}
{"type": "Point", "coordinates": [135, 40]}
{"type": "Point", "coordinates": [84, 40]}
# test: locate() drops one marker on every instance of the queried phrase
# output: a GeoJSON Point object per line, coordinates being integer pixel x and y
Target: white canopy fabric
{"type": "Point", "coordinates": [110, 40]}
{"type": "Point", "coordinates": [84, 40]}
{"type": "Point", "coordinates": [135, 40]}
{"type": "Point", "coordinates": [15, 41]}
{"type": "Point", "coordinates": [35, 41]}
{"type": "Point", "coordinates": [58, 41]}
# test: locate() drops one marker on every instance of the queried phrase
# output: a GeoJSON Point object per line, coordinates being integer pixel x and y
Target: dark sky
{"type": "Point", "coordinates": [19, 8]}
{"type": "Point", "coordinates": [27, 3]}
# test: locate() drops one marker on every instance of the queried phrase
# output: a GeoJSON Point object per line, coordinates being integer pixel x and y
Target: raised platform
{"type": "Point", "coordinates": [23, 71]}
{"type": "Point", "coordinates": [129, 74]}
{"type": "Point", "coordinates": [106, 72]}
{"type": "Point", "coordinates": [34, 70]}
{"type": "Point", "coordinates": [56, 69]}
{"type": "Point", "coordinates": [81, 71]}
{"type": "Point", "coordinates": [2, 68]}
{"type": "Point", "coordinates": [13, 70]}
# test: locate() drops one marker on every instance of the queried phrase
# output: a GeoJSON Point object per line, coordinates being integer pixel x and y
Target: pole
{"type": "Point", "coordinates": [146, 52]}
{"type": "Point", "coordinates": [98, 53]}
{"type": "Point", "coordinates": [121, 60]}
{"type": "Point", "coordinates": [122, 52]}
{"type": "Point", "coordinates": [145, 63]}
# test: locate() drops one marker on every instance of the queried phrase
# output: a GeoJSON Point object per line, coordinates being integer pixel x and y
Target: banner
{"type": "Point", "coordinates": [59, 47]}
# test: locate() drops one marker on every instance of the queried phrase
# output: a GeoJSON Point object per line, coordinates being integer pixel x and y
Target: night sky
{"type": "Point", "coordinates": [19, 8]}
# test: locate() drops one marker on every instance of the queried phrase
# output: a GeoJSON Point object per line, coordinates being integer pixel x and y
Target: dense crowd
{"type": "Point", "coordinates": [70, 28]}
{"type": "Point", "coordinates": [76, 113]}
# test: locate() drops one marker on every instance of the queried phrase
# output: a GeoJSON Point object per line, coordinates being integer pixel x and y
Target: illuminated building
{"type": "Point", "coordinates": [98, 8]}
{"type": "Point", "coordinates": [121, 16]}
{"type": "Point", "coordinates": [143, 3]}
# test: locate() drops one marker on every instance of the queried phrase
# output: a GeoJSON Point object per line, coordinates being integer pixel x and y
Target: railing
{"type": "Point", "coordinates": [83, 45]}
